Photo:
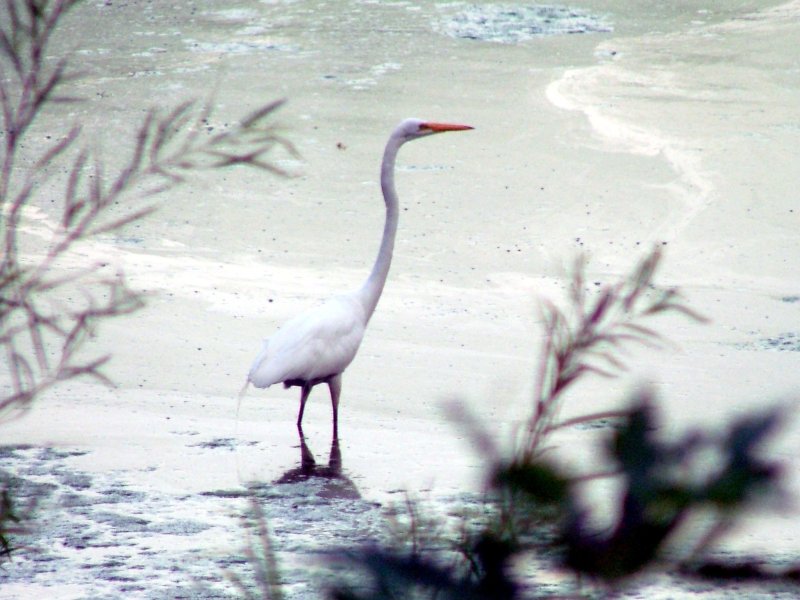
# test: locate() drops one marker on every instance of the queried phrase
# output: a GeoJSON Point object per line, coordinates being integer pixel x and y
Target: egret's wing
{"type": "Point", "coordinates": [317, 343]}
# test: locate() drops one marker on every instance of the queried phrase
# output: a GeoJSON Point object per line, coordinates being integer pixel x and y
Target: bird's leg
{"type": "Point", "coordinates": [335, 387]}
{"type": "Point", "coordinates": [305, 390]}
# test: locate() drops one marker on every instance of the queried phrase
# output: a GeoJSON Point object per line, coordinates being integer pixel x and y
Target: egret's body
{"type": "Point", "coordinates": [317, 346]}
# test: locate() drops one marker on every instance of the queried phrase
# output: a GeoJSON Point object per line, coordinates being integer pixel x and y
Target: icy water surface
{"type": "Point", "coordinates": [98, 536]}
{"type": "Point", "coordinates": [511, 24]}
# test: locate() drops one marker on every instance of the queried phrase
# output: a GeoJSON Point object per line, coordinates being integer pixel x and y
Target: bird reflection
{"type": "Point", "coordinates": [329, 479]}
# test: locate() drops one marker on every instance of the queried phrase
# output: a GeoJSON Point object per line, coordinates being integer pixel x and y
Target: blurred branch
{"type": "Point", "coordinates": [589, 337]}
{"type": "Point", "coordinates": [532, 510]}
{"type": "Point", "coordinates": [9, 523]}
{"type": "Point", "coordinates": [48, 310]}
{"type": "Point", "coordinates": [261, 559]}
{"type": "Point", "coordinates": [665, 481]}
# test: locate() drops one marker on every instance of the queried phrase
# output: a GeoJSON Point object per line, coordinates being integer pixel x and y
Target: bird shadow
{"type": "Point", "coordinates": [322, 480]}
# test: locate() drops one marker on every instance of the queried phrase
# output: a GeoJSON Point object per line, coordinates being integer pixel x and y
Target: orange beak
{"type": "Point", "coordinates": [438, 127]}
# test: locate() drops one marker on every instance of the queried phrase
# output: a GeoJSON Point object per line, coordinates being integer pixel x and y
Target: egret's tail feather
{"type": "Point", "coordinates": [242, 393]}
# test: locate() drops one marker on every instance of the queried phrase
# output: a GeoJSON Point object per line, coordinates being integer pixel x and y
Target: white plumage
{"type": "Point", "coordinates": [313, 345]}
{"type": "Point", "coordinates": [318, 345]}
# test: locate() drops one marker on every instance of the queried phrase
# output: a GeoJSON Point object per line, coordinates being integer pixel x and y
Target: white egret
{"type": "Point", "coordinates": [317, 346]}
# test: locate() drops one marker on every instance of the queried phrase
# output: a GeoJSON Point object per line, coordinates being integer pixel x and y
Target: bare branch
{"type": "Point", "coordinates": [59, 148]}
{"type": "Point", "coordinates": [257, 116]}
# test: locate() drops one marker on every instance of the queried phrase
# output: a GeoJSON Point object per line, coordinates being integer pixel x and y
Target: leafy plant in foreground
{"type": "Point", "coordinates": [52, 298]}
{"type": "Point", "coordinates": [664, 484]}
{"type": "Point", "coordinates": [533, 507]}
{"type": "Point", "coordinates": [588, 337]}
{"type": "Point", "coordinates": [41, 333]}
{"type": "Point", "coordinates": [665, 481]}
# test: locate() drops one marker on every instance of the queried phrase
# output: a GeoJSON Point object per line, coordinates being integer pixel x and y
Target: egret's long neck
{"type": "Point", "coordinates": [370, 292]}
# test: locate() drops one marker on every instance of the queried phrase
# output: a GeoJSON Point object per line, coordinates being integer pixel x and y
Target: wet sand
{"type": "Point", "coordinates": [675, 129]}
